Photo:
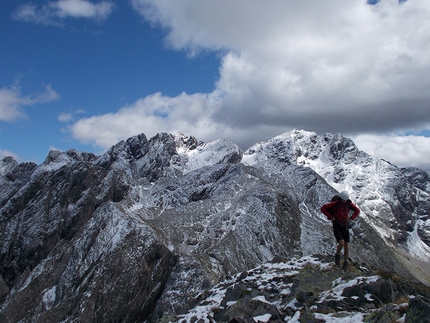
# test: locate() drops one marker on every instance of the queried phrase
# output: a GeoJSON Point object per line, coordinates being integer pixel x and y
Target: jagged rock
{"type": "Point", "coordinates": [386, 314]}
{"type": "Point", "coordinates": [418, 310]}
{"type": "Point", "coordinates": [4, 289]}
{"type": "Point", "coordinates": [284, 291]}
{"type": "Point", "coordinates": [12, 177]}
{"type": "Point", "coordinates": [245, 310]}
{"type": "Point", "coordinates": [6, 164]}
{"type": "Point", "coordinates": [383, 291]}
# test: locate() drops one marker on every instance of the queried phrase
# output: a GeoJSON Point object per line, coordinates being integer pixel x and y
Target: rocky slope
{"type": "Point", "coordinates": [288, 292]}
{"type": "Point", "coordinates": [142, 232]}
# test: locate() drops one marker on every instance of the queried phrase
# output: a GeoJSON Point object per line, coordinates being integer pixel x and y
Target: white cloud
{"type": "Point", "coordinates": [12, 101]}
{"type": "Point", "coordinates": [65, 117]}
{"type": "Point", "coordinates": [69, 116]}
{"type": "Point", "coordinates": [150, 115]}
{"type": "Point", "coordinates": [288, 61]}
{"type": "Point", "coordinates": [403, 151]}
{"type": "Point", "coordinates": [52, 12]}
{"type": "Point", "coordinates": [336, 66]}
{"type": "Point", "coordinates": [83, 9]}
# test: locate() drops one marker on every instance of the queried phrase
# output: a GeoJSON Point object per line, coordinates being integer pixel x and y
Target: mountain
{"type": "Point", "coordinates": [145, 230]}
{"type": "Point", "coordinates": [394, 201]}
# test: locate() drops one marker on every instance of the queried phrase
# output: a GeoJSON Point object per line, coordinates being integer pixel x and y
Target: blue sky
{"type": "Point", "coordinates": [93, 66]}
{"type": "Point", "coordinates": [86, 74]}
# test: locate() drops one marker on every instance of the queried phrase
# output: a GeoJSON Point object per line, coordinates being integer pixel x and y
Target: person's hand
{"type": "Point", "coordinates": [332, 219]}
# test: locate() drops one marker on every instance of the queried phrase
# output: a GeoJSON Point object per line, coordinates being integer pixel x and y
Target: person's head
{"type": "Point", "coordinates": [344, 196]}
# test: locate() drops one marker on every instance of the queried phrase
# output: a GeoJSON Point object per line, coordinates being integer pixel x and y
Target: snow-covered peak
{"type": "Point", "coordinates": [167, 155]}
{"type": "Point", "coordinates": [205, 154]}
{"type": "Point", "coordinates": [334, 157]}
{"type": "Point", "coordinates": [57, 159]}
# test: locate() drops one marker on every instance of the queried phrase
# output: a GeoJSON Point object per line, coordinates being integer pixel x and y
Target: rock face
{"type": "Point", "coordinates": [142, 232]}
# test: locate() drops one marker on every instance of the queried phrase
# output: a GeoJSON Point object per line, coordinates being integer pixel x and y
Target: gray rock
{"type": "Point", "coordinates": [418, 310]}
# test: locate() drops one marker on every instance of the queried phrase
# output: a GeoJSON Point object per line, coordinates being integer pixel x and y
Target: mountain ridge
{"type": "Point", "coordinates": [189, 214]}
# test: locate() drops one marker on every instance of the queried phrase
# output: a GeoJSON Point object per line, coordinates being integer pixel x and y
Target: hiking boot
{"type": "Point", "coordinates": [337, 259]}
{"type": "Point", "coordinates": [345, 265]}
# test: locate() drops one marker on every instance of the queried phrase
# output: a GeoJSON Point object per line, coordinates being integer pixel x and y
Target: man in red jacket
{"type": "Point", "coordinates": [338, 213]}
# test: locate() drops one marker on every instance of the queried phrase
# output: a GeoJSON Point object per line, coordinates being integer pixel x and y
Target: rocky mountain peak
{"type": "Point", "coordinates": [6, 164]}
{"type": "Point", "coordinates": [389, 200]}
{"type": "Point", "coordinates": [57, 158]}
{"type": "Point", "coordinates": [184, 142]}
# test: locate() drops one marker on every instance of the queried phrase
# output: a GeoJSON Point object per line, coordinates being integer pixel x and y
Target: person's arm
{"type": "Point", "coordinates": [355, 209]}
{"type": "Point", "coordinates": [324, 210]}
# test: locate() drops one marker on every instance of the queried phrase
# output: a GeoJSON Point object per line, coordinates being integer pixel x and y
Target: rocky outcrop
{"type": "Point", "coordinates": [310, 289]}
{"type": "Point", "coordinates": [14, 177]}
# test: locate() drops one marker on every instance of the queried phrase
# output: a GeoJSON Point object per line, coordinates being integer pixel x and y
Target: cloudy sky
{"type": "Point", "coordinates": [86, 74]}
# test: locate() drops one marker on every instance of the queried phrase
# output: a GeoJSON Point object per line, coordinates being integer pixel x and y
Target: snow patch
{"type": "Point", "coordinates": [262, 318]}
{"type": "Point", "coordinates": [261, 299]}
{"type": "Point", "coordinates": [339, 285]}
{"type": "Point", "coordinates": [207, 154]}
{"type": "Point", "coordinates": [249, 160]}
{"type": "Point", "coordinates": [347, 318]}
{"type": "Point", "coordinates": [416, 246]}
{"type": "Point", "coordinates": [49, 297]}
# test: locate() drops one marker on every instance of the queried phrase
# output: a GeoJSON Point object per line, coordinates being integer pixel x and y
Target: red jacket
{"type": "Point", "coordinates": [341, 210]}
